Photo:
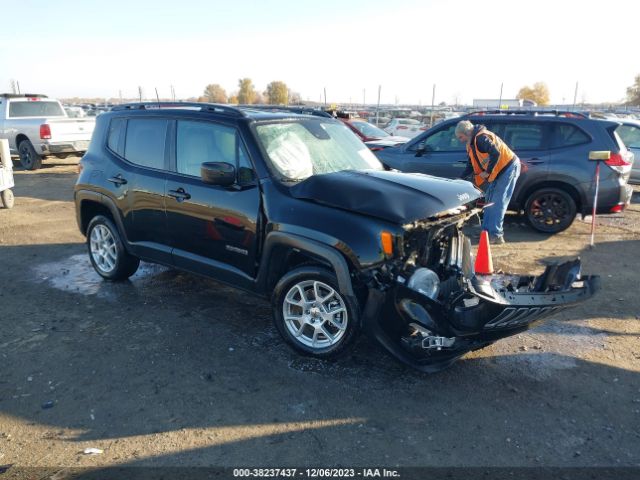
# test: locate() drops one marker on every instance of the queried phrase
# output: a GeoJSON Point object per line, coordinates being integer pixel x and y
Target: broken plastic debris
{"type": "Point", "coordinates": [92, 451]}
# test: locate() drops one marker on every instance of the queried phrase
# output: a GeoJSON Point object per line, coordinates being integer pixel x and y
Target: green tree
{"type": "Point", "coordinates": [633, 92]}
{"type": "Point", "coordinates": [215, 93]}
{"type": "Point", "coordinates": [277, 93]}
{"type": "Point", "coordinates": [247, 93]}
{"type": "Point", "coordinates": [539, 93]}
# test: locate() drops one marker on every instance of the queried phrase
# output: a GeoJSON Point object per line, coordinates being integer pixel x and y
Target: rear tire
{"type": "Point", "coordinates": [106, 251]}
{"type": "Point", "coordinates": [550, 210]}
{"type": "Point", "coordinates": [29, 158]}
{"type": "Point", "coordinates": [311, 313]}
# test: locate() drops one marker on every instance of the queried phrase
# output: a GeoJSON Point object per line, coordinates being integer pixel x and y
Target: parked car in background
{"type": "Point", "coordinates": [37, 126]}
{"type": "Point", "coordinates": [375, 138]}
{"type": "Point", "coordinates": [380, 121]}
{"type": "Point", "coordinates": [629, 132]}
{"type": "Point", "coordinates": [557, 177]}
{"type": "Point", "coordinates": [404, 127]}
{"type": "Point", "coordinates": [74, 112]}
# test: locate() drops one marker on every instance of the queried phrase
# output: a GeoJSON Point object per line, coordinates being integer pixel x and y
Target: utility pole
{"type": "Point", "coordinates": [433, 101]}
{"type": "Point", "coordinates": [378, 107]}
{"type": "Point", "coordinates": [140, 93]}
{"type": "Point", "coordinates": [500, 101]}
{"type": "Point", "coordinates": [18, 84]}
{"type": "Point", "coordinates": [575, 96]}
{"type": "Point", "coordinates": [325, 97]}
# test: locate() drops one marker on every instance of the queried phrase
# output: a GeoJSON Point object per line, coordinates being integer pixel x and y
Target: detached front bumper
{"type": "Point", "coordinates": [431, 334]}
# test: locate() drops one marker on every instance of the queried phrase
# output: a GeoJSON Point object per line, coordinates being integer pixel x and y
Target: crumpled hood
{"type": "Point", "coordinates": [396, 197]}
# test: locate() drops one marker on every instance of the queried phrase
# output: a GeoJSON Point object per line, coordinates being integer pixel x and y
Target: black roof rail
{"type": "Point", "coordinates": [300, 110]}
{"type": "Point", "coordinates": [22, 95]}
{"type": "Point", "coordinates": [532, 112]}
{"type": "Point", "coordinates": [203, 107]}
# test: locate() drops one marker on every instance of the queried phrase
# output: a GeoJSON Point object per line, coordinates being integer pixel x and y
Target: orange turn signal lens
{"type": "Point", "coordinates": [387, 243]}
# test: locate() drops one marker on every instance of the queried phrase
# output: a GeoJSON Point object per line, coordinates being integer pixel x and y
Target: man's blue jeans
{"type": "Point", "coordinates": [499, 194]}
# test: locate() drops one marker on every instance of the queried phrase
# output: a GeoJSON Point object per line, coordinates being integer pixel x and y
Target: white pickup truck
{"type": "Point", "coordinates": [37, 126]}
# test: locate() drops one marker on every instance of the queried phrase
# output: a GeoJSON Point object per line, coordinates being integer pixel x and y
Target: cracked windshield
{"type": "Point", "coordinates": [301, 149]}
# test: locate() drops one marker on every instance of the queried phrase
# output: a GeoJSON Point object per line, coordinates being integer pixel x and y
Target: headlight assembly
{"type": "Point", "coordinates": [425, 281]}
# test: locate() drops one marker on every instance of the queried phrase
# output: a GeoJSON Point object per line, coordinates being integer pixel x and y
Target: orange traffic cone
{"type": "Point", "coordinates": [484, 264]}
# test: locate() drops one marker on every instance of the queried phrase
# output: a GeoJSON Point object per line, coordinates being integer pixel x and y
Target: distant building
{"type": "Point", "coordinates": [505, 103]}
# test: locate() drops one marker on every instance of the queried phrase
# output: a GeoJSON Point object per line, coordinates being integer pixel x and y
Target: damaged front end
{"type": "Point", "coordinates": [428, 307]}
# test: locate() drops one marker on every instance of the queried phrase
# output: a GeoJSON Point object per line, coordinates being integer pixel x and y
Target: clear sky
{"type": "Point", "coordinates": [67, 48]}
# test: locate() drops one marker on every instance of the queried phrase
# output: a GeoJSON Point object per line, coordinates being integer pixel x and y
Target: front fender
{"type": "Point", "coordinates": [313, 248]}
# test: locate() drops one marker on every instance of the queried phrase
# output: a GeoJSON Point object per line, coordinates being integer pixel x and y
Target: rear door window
{"type": "Point", "coordinates": [567, 135]}
{"type": "Point", "coordinates": [145, 142]}
{"type": "Point", "coordinates": [524, 135]}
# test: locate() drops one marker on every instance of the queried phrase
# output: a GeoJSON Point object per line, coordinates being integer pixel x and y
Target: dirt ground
{"type": "Point", "coordinates": [173, 369]}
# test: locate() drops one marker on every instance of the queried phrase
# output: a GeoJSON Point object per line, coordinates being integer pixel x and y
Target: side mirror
{"type": "Point", "coordinates": [596, 155]}
{"type": "Point", "coordinates": [420, 148]}
{"type": "Point", "coordinates": [218, 173]}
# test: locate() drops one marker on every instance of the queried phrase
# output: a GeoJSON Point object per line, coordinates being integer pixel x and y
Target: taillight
{"type": "Point", "coordinates": [376, 149]}
{"type": "Point", "coordinates": [617, 208]}
{"type": "Point", "coordinates": [401, 127]}
{"type": "Point", "coordinates": [620, 162]}
{"type": "Point", "coordinates": [617, 160]}
{"type": "Point", "coordinates": [45, 131]}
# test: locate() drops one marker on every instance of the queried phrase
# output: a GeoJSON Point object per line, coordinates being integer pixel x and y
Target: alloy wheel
{"type": "Point", "coordinates": [315, 314]}
{"type": "Point", "coordinates": [550, 209]}
{"type": "Point", "coordinates": [103, 248]}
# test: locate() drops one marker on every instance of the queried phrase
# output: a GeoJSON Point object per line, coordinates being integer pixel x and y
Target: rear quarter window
{"type": "Point", "coordinates": [567, 135]}
{"type": "Point", "coordinates": [115, 136]}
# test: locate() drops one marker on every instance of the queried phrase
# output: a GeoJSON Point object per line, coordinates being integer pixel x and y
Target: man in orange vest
{"type": "Point", "coordinates": [495, 170]}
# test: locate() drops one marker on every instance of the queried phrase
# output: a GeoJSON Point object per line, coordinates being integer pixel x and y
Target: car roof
{"type": "Point", "coordinates": [248, 111]}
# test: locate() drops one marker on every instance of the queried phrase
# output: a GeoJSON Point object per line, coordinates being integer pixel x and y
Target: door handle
{"type": "Point", "coordinates": [534, 161]}
{"type": "Point", "coordinates": [117, 180]}
{"type": "Point", "coordinates": [179, 194]}
{"type": "Point", "coordinates": [462, 161]}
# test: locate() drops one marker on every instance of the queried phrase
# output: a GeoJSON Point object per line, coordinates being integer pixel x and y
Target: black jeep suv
{"type": "Point", "coordinates": [295, 208]}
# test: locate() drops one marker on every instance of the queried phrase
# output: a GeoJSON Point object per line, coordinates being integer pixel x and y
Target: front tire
{"type": "Point", "coordinates": [106, 250]}
{"type": "Point", "coordinates": [550, 210]}
{"type": "Point", "coordinates": [29, 158]}
{"type": "Point", "coordinates": [311, 313]}
{"type": "Point", "coordinates": [7, 198]}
